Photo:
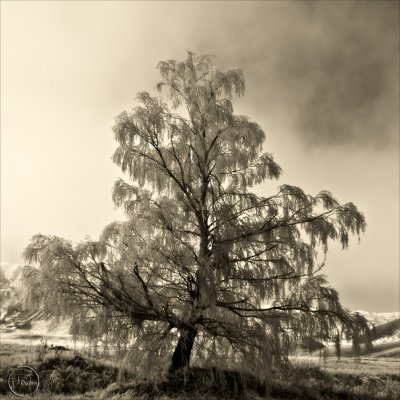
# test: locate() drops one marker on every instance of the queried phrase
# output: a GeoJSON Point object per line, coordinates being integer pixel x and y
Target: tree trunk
{"type": "Point", "coordinates": [181, 356]}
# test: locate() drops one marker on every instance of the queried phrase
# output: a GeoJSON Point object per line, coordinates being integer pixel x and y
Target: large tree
{"type": "Point", "coordinates": [201, 263]}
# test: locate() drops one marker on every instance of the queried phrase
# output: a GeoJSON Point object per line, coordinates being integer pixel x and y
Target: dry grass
{"type": "Point", "coordinates": [13, 354]}
{"type": "Point", "coordinates": [364, 366]}
{"type": "Point", "coordinates": [52, 396]}
{"type": "Point", "coordinates": [370, 378]}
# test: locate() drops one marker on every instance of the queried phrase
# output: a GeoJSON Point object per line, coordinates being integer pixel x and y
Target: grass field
{"type": "Point", "coordinates": [73, 376]}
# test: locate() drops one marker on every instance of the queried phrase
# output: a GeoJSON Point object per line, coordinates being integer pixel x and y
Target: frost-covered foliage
{"type": "Point", "coordinates": [201, 263]}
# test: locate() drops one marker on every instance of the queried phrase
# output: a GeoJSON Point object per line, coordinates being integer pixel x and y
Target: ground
{"type": "Point", "coordinates": [68, 374]}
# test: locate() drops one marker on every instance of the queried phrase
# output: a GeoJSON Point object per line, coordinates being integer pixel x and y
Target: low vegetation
{"type": "Point", "coordinates": [66, 374]}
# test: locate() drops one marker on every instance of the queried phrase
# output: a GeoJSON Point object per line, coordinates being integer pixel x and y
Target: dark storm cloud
{"type": "Point", "coordinates": [346, 73]}
{"type": "Point", "coordinates": [331, 68]}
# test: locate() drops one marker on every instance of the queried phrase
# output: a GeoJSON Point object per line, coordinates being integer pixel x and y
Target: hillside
{"type": "Point", "coordinates": [380, 318]}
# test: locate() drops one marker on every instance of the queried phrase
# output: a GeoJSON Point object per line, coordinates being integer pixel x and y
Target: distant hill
{"type": "Point", "coordinates": [389, 329]}
{"type": "Point", "coordinates": [385, 326]}
{"type": "Point", "coordinates": [379, 318]}
{"type": "Point", "coordinates": [12, 311]}
{"type": "Point", "coordinates": [21, 325]}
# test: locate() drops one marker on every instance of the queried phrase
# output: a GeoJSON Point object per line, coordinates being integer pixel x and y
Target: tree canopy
{"type": "Point", "coordinates": [201, 264]}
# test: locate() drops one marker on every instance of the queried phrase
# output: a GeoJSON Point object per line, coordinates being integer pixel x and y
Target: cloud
{"type": "Point", "coordinates": [344, 75]}
{"type": "Point", "coordinates": [331, 68]}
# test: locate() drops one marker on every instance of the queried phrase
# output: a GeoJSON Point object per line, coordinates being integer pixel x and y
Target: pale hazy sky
{"type": "Point", "coordinates": [322, 81]}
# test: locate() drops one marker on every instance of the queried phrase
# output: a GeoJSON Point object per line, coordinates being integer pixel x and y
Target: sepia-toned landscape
{"type": "Point", "coordinates": [200, 200]}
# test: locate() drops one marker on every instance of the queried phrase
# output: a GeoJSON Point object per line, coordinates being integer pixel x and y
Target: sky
{"type": "Point", "coordinates": [321, 80]}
